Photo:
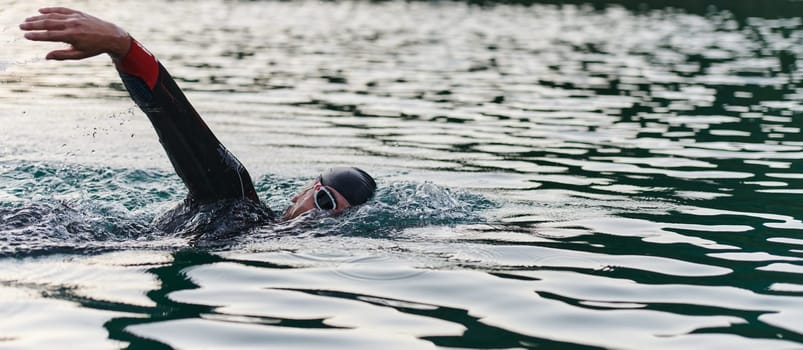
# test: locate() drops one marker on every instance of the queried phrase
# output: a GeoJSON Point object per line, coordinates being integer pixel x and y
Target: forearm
{"type": "Point", "coordinates": [209, 171]}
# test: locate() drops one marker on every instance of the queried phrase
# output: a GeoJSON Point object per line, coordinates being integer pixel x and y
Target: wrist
{"type": "Point", "coordinates": [120, 46]}
{"type": "Point", "coordinates": [138, 62]}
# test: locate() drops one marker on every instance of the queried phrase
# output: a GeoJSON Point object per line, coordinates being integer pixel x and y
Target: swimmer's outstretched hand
{"type": "Point", "coordinates": [88, 36]}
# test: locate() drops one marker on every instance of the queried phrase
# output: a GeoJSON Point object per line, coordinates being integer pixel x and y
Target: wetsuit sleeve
{"type": "Point", "coordinates": [207, 168]}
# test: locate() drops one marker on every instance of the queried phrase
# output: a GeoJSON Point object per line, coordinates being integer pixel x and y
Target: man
{"type": "Point", "coordinates": [221, 198]}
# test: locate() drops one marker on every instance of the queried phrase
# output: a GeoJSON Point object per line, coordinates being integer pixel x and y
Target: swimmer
{"type": "Point", "coordinates": [220, 188]}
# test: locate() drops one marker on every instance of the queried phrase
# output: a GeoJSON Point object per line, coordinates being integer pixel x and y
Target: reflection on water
{"type": "Point", "coordinates": [582, 175]}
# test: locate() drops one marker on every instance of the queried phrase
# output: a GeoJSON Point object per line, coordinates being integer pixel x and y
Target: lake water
{"type": "Point", "coordinates": [551, 176]}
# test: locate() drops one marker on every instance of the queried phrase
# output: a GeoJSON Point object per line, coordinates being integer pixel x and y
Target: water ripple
{"type": "Point", "coordinates": [591, 175]}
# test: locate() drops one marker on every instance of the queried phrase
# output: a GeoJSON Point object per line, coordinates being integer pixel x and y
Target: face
{"type": "Point", "coordinates": [304, 201]}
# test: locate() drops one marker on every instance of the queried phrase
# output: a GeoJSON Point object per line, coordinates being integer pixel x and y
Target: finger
{"type": "Point", "coordinates": [62, 10]}
{"type": "Point", "coordinates": [47, 16]}
{"type": "Point", "coordinates": [45, 24]}
{"type": "Point", "coordinates": [68, 54]}
{"type": "Point", "coordinates": [47, 36]}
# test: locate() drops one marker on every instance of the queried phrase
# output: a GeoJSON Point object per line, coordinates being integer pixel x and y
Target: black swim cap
{"type": "Point", "coordinates": [353, 183]}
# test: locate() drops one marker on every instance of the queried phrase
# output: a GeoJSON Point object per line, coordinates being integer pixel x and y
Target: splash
{"type": "Point", "coordinates": [47, 208]}
{"type": "Point", "coordinates": [395, 207]}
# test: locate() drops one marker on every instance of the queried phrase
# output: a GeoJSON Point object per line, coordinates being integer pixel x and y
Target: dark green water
{"type": "Point", "coordinates": [560, 175]}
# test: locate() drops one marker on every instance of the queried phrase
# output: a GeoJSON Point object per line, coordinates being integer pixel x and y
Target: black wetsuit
{"type": "Point", "coordinates": [222, 199]}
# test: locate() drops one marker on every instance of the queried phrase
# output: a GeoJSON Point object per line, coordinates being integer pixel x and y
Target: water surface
{"type": "Point", "coordinates": [551, 176]}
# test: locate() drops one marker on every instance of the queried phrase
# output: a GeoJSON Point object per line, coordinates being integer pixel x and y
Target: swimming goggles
{"type": "Point", "coordinates": [324, 199]}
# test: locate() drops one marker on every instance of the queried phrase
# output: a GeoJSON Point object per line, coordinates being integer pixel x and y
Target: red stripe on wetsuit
{"type": "Point", "coordinates": [140, 63]}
